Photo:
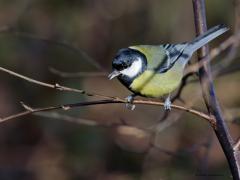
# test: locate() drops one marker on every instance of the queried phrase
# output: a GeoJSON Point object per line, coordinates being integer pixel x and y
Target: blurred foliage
{"type": "Point", "coordinates": [43, 148]}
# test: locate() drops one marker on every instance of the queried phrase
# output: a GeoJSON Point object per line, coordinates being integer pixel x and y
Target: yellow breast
{"type": "Point", "coordinates": [153, 84]}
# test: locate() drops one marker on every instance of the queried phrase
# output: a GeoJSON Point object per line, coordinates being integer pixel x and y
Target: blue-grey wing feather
{"type": "Point", "coordinates": [173, 52]}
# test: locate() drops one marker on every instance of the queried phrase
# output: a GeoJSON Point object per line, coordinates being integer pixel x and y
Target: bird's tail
{"type": "Point", "coordinates": [203, 39]}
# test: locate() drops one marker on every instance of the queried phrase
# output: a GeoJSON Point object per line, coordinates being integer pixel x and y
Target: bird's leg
{"type": "Point", "coordinates": [167, 103]}
{"type": "Point", "coordinates": [129, 103]}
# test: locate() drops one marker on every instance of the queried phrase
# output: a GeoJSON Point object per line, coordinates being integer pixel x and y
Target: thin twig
{"type": "Point", "coordinates": [29, 110]}
{"type": "Point", "coordinates": [110, 99]}
{"type": "Point", "coordinates": [53, 86]}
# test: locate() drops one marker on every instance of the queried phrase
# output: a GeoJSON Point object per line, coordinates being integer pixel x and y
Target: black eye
{"type": "Point", "coordinates": [119, 66]}
{"type": "Point", "coordinates": [124, 66]}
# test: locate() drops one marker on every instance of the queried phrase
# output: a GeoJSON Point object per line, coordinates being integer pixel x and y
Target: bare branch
{"type": "Point", "coordinates": [65, 107]}
{"type": "Point", "coordinates": [53, 86]}
{"type": "Point", "coordinates": [69, 106]}
{"type": "Point", "coordinates": [209, 94]}
{"type": "Point", "coordinates": [30, 110]}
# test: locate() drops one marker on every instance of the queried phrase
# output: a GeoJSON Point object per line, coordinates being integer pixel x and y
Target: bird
{"type": "Point", "coordinates": [157, 70]}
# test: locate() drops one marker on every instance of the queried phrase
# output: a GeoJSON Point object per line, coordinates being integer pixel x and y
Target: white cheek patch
{"type": "Point", "coordinates": [134, 69]}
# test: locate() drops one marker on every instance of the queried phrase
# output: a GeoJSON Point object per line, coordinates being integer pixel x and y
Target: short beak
{"type": "Point", "coordinates": [114, 74]}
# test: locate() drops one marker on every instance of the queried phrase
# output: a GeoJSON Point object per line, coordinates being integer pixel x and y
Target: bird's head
{"type": "Point", "coordinates": [128, 63]}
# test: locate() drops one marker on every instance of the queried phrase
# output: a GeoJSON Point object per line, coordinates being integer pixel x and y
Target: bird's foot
{"type": "Point", "coordinates": [167, 104]}
{"type": "Point", "coordinates": [129, 104]}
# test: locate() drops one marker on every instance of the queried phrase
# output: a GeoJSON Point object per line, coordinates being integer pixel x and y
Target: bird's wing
{"type": "Point", "coordinates": [173, 52]}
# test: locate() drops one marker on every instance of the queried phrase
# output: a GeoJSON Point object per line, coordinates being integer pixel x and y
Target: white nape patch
{"type": "Point", "coordinates": [134, 69]}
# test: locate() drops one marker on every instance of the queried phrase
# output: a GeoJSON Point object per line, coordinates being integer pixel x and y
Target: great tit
{"type": "Point", "coordinates": [157, 70]}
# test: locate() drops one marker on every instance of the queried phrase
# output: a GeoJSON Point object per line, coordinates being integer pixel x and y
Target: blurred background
{"type": "Point", "coordinates": [39, 38]}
